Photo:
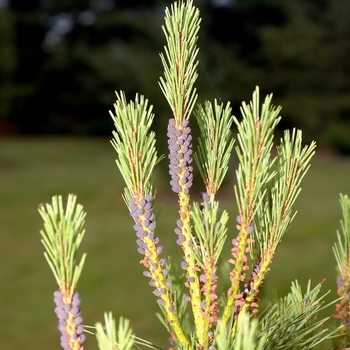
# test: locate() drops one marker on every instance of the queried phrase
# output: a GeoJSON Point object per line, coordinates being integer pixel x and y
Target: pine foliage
{"type": "Point", "coordinates": [268, 182]}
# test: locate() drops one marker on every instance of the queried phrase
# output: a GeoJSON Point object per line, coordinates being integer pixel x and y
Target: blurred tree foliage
{"type": "Point", "coordinates": [71, 56]}
{"type": "Point", "coordinates": [8, 63]}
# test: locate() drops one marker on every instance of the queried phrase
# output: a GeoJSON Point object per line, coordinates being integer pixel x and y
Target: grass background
{"type": "Point", "coordinates": [32, 170]}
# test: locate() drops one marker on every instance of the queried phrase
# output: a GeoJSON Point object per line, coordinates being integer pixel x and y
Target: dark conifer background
{"type": "Point", "coordinates": [61, 62]}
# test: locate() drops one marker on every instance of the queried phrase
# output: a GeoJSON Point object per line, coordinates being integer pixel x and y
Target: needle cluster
{"type": "Point", "coordinates": [341, 251]}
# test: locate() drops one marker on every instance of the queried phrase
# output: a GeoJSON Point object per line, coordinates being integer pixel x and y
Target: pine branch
{"type": "Point", "coordinates": [179, 62]}
{"type": "Point", "coordinates": [255, 136]}
{"type": "Point", "coordinates": [292, 323]}
{"type": "Point", "coordinates": [137, 156]}
{"type": "Point", "coordinates": [62, 237]}
{"type": "Point", "coordinates": [210, 235]}
{"type": "Point", "coordinates": [274, 214]}
{"type": "Point", "coordinates": [341, 250]}
{"type": "Point", "coordinates": [266, 190]}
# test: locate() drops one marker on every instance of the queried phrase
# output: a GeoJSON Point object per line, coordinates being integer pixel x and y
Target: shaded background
{"type": "Point", "coordinates": [60, 63]}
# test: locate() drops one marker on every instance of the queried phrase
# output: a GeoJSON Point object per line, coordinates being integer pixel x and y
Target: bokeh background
{"type": "Point", "coordinates": [61, 62]}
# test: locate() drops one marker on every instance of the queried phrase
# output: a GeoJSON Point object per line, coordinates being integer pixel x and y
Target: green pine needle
{"type": "Point", "coordinates": [106, 336]}
{"type": "Point", "coordinates": [210, 232]}
{"type": "Point", "coordinates": [275, 213]}
{"type": "Point", "coordinates": [248, 335]}
{"type": "Point", "coordinates": [135, 144]}
{"type": "Point", "coordinates": [109, 338]}
{"type": "Point", "coordinates": [61, 238]}
{"type": "Point", "coordinates": [255, 138]}
{"type": "Point", "coordinates": [215, 144]}
{"type": "Point", "coordinates": [292, 322]}
{"type": "Point", "coordinates": [341, 248]}
{"type": "Point", "coordinates": [179, 61]}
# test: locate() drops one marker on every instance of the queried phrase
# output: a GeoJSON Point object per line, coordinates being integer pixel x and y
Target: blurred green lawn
{"type": "Point", "coordinates": [32, 170]}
